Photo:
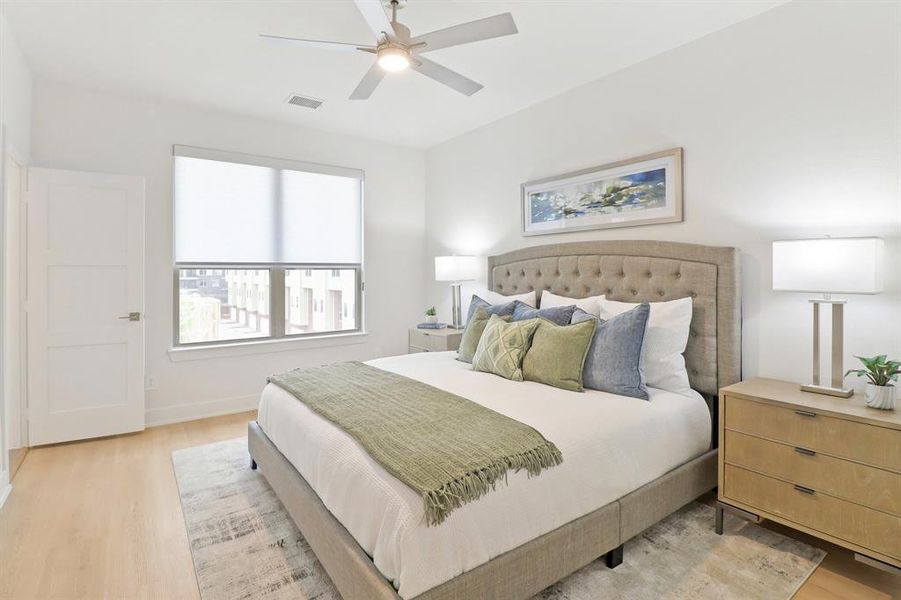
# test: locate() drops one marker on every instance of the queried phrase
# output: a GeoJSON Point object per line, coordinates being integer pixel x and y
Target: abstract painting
{"type": "Point", "coordinates": [637, 191]}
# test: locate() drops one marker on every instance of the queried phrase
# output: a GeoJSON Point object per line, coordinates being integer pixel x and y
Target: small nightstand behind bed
{"type": "Point", "coordinates": [830, 467]}
{"type": "Point", "coordinates": [434, 340]}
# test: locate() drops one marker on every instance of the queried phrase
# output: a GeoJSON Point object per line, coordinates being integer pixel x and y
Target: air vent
{"type": "Point", "coordinates": [304, 101]}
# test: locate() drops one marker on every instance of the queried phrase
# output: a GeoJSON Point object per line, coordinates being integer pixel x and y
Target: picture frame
{"type": "Point", "coordinates": [645, 190]}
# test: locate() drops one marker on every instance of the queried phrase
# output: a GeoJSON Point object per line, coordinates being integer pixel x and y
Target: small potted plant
{"type": "Point", "coordinates": [431, 315]}
{"type": "Point", "coordinates": [881, 373]}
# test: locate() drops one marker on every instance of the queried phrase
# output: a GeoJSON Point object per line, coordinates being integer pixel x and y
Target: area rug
{"type": "Point", "coordinates": [245, 546]}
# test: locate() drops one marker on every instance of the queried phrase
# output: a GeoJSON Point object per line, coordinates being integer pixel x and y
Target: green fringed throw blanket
{"type": "Point", "coordinates": [448, 449]}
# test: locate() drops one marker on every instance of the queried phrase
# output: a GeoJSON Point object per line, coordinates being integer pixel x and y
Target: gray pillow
{"type": "Point", "coordinates": [559, 315]}
{"type": "Point", "coordinates": [501, 310]}
{"type": "Point", "coordinates": [614, 358]}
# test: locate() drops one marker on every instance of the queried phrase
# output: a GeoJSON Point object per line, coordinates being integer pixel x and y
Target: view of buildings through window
{"type": "Point", "coordinates": [235, 304]}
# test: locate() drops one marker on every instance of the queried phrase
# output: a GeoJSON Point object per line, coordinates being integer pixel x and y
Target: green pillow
{"type": "Point", "coordinates": [503, 346]}
{"type": "Point", "coordinates": [473, 333]}
{"type": "Point", "coordinates": [557, 354]}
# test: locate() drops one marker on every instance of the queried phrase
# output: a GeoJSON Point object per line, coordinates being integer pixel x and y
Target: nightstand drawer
{"type": "Point", "coordinates": [869, 444]}
{"type": "Point", "coordinates": [862, 484]}
{"type": "Point", "coordinates": [853, 523]}
{"type": "Point", "coordinates": [434, 340]}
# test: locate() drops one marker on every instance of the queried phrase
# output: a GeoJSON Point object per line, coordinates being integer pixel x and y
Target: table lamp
{"type": "Point", "coordinates": [456, 269]}
{"type": "Point", "coordinates": [828, 266]}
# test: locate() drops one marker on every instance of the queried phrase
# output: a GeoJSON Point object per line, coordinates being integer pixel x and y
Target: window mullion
{"type": "Point", "coordinates": [277, 302]}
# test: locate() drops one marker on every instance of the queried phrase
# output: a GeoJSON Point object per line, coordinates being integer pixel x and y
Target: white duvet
{"type": "Point", "coordinates": [611, 445]}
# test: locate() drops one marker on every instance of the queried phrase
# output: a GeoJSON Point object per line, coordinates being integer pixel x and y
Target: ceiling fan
{"type": "Point", "coordinates": [396, 50]}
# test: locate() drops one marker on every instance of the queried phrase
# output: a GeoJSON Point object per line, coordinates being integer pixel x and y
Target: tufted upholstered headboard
{"type": "Point", "coordinates": [637, 271]}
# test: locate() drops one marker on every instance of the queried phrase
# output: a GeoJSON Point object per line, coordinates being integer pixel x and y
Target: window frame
{"type": "Point", "coordinates": [276, 302]}
{"type": "Point", "coordinates": [276, 270]}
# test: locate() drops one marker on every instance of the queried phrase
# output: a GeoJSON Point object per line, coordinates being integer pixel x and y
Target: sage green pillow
{"type": "Point", "coordinates": [503, 346]}
{"type": "Point", "coordinates": [557, 354]}
{"type": "Point", "coordinates": [475, 327]}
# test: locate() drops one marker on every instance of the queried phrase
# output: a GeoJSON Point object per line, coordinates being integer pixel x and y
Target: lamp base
{"type": "Point", "coordinates": [829, 391]}
{"type": "Point", "coordinates": [452, 326]}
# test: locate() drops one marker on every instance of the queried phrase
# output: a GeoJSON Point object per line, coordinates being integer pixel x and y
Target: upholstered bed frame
{"type": "Point", "coordinates": [630, 271]}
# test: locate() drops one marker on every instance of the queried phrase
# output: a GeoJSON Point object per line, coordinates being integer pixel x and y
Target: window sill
{"type": "Point", "coordinates": [186, 353]}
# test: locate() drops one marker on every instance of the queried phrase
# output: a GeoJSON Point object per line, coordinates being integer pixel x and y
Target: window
{"type": "Point", "coordinates": [264, 248]}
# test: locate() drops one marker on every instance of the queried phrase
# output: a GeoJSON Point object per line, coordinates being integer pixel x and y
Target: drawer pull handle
{"type": "Point", "coordinates": [805, 413]}
{"type": "Point", "coordinates": [805, 451]}
{"type": "Point", "coordinates": [804, 490]}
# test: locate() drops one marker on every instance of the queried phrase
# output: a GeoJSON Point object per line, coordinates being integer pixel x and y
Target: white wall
{"type": "Point", "coordinates": [15, 93]}
{"type": "Point", "coordinates": [790, 125]}
{"type": "Point", "coordinates": [79, 129]}
{"type": "Point", "coordinates": [15, 143]}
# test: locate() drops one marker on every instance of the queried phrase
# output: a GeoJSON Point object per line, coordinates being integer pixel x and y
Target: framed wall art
{"type": "Point", "coordinates": [639, 191]}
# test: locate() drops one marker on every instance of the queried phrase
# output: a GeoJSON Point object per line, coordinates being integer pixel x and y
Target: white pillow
{"type": "Point", "coordinates": [589, 305]}
{"type": "Point", "coordinates": [495, 298]}
{"type": "Point", "coordinates": [667, 335]}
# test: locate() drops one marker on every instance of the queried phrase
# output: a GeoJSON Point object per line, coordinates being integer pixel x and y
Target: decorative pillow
{"type": "Point", "coordinates": [589, 305]}
{"type": "Point", "coordinates": [503, 346]}
{"type": "Point", "coordinates": [502, 310]}
{"type": "Point", "coordinates": [557, 354]}
{"type": "Point", "coordinates": [473, 333]}
{"type": "Point", "coordinates": [495, 298]}
{"type": "Point", "coordinates": [614, 358]}
{"type": "Point", "coordinates": [664, 342]}
{"type": "Point", "coordinates": [560, 315]}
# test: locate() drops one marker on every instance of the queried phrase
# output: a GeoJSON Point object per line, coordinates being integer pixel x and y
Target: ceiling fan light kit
{"type": "Point", "coordinates": [396, 50]}
{"type": "Point", "coordinates": [393, 57]}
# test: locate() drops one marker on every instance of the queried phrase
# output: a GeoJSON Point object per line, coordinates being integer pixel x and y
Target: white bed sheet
{"type": "Point", "coordinates": [611, 446]}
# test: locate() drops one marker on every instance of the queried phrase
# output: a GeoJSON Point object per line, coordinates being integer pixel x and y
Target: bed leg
{"type": "Point", "coordinates": [719, 520]}
{"type": "Point", "coordinates": [614, 558]}
{"type": "Point", "coordinates": [253, 465]}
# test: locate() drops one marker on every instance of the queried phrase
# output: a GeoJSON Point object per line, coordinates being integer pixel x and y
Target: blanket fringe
{"type": "Point", "coordinates": [471, 486]}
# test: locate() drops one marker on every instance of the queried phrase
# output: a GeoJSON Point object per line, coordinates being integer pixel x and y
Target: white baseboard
{"type": "Point", "coordinates": [180, 413]}
{"type": "Point", "coordinates": [5, 487]}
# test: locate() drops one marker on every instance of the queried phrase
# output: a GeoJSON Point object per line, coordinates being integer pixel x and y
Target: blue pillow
{"type": "Point", "coordinates": [613, 363]}
{"type": "Point", "coordinates": [559, 315]}
{"type": "Point", "coordinates": [501, 310]}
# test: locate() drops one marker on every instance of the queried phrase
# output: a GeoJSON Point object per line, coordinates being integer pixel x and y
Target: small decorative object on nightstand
{"type": "Point", "coordinates": [826, 466]}
{"type": "Point", "coordinates": [882, 373]}
{"type": "Point", "coordinates": [434, 340]}
{"type": "Point", "coordinates": [431, 315]}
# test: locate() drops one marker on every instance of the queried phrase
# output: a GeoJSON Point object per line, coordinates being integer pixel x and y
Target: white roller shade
{"type": "Point", "coordinates": [234, 208]}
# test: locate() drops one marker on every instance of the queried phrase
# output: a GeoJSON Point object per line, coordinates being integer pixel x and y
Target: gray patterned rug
{"type": "Point", "coordinates": [245, 546]}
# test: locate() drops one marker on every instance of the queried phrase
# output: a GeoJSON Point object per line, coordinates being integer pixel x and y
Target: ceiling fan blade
{"type": "Point", "coordinates": [378, 21]}
{"type": "Point", "coordinates": [289, 41]}
{"type": "Point", "coordinates": [370, 81]}
{"type": "Point", "coordinates": [442, 74]}
{"type": "Point", "coordinates": [465, 33]}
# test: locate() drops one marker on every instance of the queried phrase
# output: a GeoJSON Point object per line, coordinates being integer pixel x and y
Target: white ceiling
{"type": "Point", "coordinates": [207, 53]}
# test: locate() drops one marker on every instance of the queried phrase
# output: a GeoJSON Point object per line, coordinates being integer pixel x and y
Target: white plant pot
{"type": "Point", "coordinates": [880, 396]}
{"type": "Point", "coordinates": [431, 318]}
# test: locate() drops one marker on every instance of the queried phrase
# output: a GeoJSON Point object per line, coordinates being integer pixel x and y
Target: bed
{"type": "Point", "coordinates": [366, 527]}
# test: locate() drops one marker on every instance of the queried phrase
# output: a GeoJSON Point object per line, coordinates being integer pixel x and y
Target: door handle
{"type": "Point", "coordinates": [132, 316]}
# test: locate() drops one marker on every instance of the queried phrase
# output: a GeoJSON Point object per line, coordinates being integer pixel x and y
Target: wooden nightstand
{"type": "Point", "coordinates": [434, 340]}
{"type": "Point", "coordinates": [830, 467]}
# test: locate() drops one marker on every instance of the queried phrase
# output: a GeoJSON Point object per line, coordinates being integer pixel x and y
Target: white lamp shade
{"type": "Point", "coordinates": [828, 265]}
{"type": "Point", "coordinates": [456, 268]}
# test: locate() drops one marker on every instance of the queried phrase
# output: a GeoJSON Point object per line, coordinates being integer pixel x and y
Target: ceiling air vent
{"type": "Point", "coordinates": [304, 101]}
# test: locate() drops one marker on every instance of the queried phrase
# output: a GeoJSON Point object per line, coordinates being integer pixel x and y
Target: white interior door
{"type": "Point", "coordinates": [85, 271]}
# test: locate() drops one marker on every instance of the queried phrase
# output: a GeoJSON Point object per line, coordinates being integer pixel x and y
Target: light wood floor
{"type": "Point", "coordinates": [102, 519]}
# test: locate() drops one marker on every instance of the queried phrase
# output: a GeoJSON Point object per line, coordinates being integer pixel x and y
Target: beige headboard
{"type": "Point", "coordinates": [637, 271]}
